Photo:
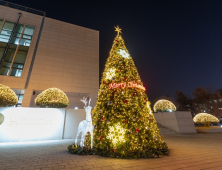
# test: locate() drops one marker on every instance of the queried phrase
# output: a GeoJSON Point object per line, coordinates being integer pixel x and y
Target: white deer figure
{"type": "Point", "coordinates": [85, 125]}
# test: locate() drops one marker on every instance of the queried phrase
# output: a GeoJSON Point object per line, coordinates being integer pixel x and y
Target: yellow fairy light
{"type": "Point", "coordinates": [116, 134]}
{"type": "Point", "coordinates": [110, 73]}
{"type": "Point", "coordinates": [148, 106]}
{"type": "Point", "coordinates": [123, 53]}
{"type": "Point", "coordinates": [130, 124]}
{"type": "Point", "coordinates": [7, 96]}
{"type": "Point", "coordinates": [164, 105]}
{"type": "Point", "coordinates": [205, 117]}
{"type": "Point", "coordinates": [52, 97]}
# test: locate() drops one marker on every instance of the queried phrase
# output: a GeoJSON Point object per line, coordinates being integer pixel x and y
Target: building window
{"type": "Point", "coordinates": [19, 93]}
{"type": "Point", "coordinates": [18, 49]}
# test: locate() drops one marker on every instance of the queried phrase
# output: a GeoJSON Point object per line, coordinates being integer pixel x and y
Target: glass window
{"type": "Point", "coordinates": [19, 93]}
{"type": "Point", "coordinates": [6, 31]}
{"type": "Point", "coordinates": [19, 28]}
{"type": "Point", "coordinates": [2, 49]}
{"type": "Point", "coordinates": [1, 21]}
{"type": "Point", "coordinates": [27, 36]}
{"type": "Point", "coordinates": [8, 26]}
{"type": "Point", "coordinates": [19, 61]}
{"type": "Point", "coordinates": [8, 60]}
{"type": "Point", "coordinates": [29, 30]}
{"type": "Point", "coordinates": [21, 39]}
{"type": "Point", "coordinates": [25, 42]}
{"type": "Point", "coordinates": [17, 34]}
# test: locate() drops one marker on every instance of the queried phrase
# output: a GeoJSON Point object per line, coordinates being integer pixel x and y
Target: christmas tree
{"type": "Point", "coordinates": [124, 125]}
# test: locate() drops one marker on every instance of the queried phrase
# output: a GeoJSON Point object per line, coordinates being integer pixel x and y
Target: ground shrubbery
{"type": "Point", "coordinates": [53, 98]}
{"type": "Point", "coordinates": [7, 96]}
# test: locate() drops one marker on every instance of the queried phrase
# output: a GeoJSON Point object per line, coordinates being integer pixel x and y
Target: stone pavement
{"type": "Point", "coordinates": [191, 152]}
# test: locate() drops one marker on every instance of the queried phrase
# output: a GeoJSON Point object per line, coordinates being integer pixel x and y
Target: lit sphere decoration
{"type": "Point", "coordinates": [2, 118]}
{"type": "Point", "coordinates": [205, 118]}
{"type": "Point", "coordinates": [7, 96]}
{"type": "Point", "coordinates": [53, 98]}
{"type": "Point", "coordinates": [164, 105]}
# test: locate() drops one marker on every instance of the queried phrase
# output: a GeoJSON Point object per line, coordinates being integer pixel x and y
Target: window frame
{"type": "Point", "coordinates": [17, 46]}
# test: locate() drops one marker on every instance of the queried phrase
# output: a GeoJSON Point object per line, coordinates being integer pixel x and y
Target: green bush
{"type": "Point", "coordinates": [7, 96]}
{"type": "Point", "coordinates": [52, 97]}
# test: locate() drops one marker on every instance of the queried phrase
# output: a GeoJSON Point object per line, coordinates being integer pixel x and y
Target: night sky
{"type": "Point", "coordinates": [175, 44]}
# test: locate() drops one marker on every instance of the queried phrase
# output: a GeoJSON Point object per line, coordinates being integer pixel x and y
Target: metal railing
{"type": "Point", "coordinates": [23, 8]}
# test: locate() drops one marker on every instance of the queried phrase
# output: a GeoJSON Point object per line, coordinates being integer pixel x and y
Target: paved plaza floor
{"type": "Point", "coordinates": [191, 152]}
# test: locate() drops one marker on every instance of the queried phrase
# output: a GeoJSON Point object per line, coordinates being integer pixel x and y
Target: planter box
{"type": "Point", "coordinates": [179, 121]}
{"type": "Point", "coordinates": [39, 124]}
{"type": "Point", "coordinates": [216, 129]}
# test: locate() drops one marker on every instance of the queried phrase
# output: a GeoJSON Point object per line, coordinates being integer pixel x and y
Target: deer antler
{"type": "Point", "coordinates": [84, 100]}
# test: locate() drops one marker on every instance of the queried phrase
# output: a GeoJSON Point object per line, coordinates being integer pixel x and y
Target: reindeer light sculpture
{"type": "Point", "coordinates": [85, 125]}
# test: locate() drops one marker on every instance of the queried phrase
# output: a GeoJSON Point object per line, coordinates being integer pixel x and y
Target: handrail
{"type": "Point", "coordinates": [23, 8]}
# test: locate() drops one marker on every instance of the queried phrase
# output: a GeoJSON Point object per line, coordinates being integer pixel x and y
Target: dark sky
{"type": "Point", "coordinates": [175, 44]}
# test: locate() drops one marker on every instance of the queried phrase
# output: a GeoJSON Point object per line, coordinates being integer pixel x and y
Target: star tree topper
{"type": "Point", "coordinates": [118, 30]}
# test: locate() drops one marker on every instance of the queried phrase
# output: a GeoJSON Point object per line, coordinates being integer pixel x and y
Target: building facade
{"type": "Point", "coordinates": [45, 53]}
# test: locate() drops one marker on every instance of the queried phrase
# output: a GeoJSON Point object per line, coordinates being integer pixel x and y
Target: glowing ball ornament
{"type": "Point", "coordinates": [164, 106]}
{"type": "Point", "coordinates": [7, 96]}
{"type": "Point", "coordinates": [205, 118]}
{"type": "Point", "coordinates": [52, 97]}
{"type": "Point", "coordinates": [1, 118]}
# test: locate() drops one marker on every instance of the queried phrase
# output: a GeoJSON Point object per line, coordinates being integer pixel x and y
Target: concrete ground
{"type": "Point", "coordinates": [191, 152]}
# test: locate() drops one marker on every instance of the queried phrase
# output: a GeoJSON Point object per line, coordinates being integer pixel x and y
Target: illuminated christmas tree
{"type": "Point", "coordinates": [124, 125]}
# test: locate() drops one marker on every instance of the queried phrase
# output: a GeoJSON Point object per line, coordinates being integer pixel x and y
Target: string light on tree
{"type": "Point", "coordinates": [123, 53]}
{"type": "Point", "coordinates": [116, 134]}
{"type": "Point", "coordinates": [125, 125]}
{"type": "Point", "coordinates": [110, 73]}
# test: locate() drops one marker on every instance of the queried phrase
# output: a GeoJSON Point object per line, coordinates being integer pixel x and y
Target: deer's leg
{"type": "Point", "coordinates": [82, 138]}
{"type": "Point", "coordinates": [91, 138]}
{"type": "Point", "coordinates": [78, 131]}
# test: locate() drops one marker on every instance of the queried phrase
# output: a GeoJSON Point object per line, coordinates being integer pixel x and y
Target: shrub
{"type": "Point", "coordinates": [205, 118]}
{"type": "Point", "coordinates": [164, 106]}
{"type": "Point", "coordinates": [52, 97]}
{"type": "Point", "coordinates": [7, 96]}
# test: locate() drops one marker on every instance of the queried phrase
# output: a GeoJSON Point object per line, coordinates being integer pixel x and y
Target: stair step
{"type": "Point", "coordinates": [165, 131]}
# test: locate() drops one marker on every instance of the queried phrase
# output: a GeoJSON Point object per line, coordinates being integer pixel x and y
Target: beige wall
{"type": "Point", "coordinates": [10, 14]}
{"type": "Point", "coordinates": [67, 57]}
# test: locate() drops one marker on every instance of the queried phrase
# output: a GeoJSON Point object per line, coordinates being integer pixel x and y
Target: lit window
{"type": "Point", "coordinates": [18, 49]}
